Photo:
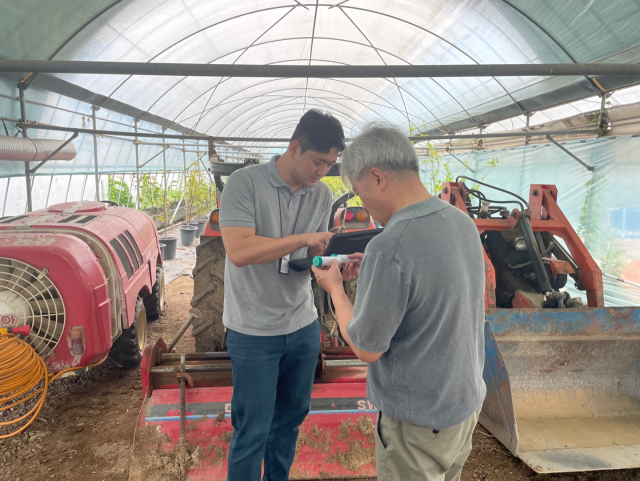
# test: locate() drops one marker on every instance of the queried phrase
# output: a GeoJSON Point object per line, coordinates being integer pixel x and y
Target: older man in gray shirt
{"type": "Point", "coordinates": [418, 316]}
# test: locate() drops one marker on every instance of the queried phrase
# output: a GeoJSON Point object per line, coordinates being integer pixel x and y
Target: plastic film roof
{"type": "Point", "coordinates": [325, 32]}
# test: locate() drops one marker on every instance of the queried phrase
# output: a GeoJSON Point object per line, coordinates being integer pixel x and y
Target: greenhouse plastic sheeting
{"type": "Point", "coordinates": [331, 32]}
{"type": "Point", "coordinates": [114, 155]}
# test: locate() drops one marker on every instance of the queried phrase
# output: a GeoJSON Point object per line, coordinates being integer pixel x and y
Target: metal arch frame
{"type": "Point", "coordinates": [442, 39]}
{"type": "Point", "coordinates": [436, 119]}
{"type": "Point", "coordinates": [31, 78]}
{"type": "Point", "coordinates": [213, 91]}
{"type": "Point", "coordinates": [554, 40]}
{"type": "Point", "coordinates": [279, 79]}
{"type": "Point", "coordinates": [381, 58]}
{"type": "Point", "coordinates": [330, 6]}
{"type": "Point", "coordinates": [192, 34]}
{"type": "Point", "coordinates": [260, 117]}
{"type": "Point", "coordinates": [277, 99]}
{"type": "Point", "coordinates": [349, 98]}
{"type": "Point", "coordinates": [329, 61]}
{"type": "Point", "coordinates": [282, 127]}
{"type": "Point", "coordinates": [313, 32]}
{"type": "Point", "coordinates": [408, 63]}
{"type": "Point", "coordinates": [342, 98]}
{"type": "Point", "coordinates": [269, 112]}
{"type": "Point", "coordinates": [282, 96]}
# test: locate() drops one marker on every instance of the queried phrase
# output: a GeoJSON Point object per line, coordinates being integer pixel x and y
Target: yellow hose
{"type": "Point", "coordinates": [21, 370]}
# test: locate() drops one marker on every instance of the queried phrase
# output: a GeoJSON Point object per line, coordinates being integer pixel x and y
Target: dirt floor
{"type": "Point", "coordinates": [85, 430]}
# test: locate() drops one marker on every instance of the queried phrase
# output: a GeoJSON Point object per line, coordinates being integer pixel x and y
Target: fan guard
{"type": "Point", "coordinates": [28, 297]}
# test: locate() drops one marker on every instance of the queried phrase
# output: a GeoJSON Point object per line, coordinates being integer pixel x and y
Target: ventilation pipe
{"type": "Point", "coordinates": [27, 150]}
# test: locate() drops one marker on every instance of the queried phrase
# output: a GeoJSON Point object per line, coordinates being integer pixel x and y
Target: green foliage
{"type": "Point", "coordinates": [118, 192]}
{"type": "Point", "coordinates": [432, 165]}
{"type": "Point", "coordinates": [600, 238]}
{"type": "Point", "coordinates": [493, 163]}
{"type": "Point", "coordinates": [199, 194]}
{"type": "Point", "coordinates": [338, 188]}
{"type": "Point", "coordinates": [151, 193]}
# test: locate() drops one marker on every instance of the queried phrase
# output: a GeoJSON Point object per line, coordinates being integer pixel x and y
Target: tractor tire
{"type": "Point", "coordinates": [127, 349]}
{"type": "Point", "coordinates": [208, 295]}
{"type": "Point", "coordinates": [154, 302]}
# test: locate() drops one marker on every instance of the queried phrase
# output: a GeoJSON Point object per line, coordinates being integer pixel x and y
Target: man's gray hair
{"type": "Point", "coordinates": [379, 145]}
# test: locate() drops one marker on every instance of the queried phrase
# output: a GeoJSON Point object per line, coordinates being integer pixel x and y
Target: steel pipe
{"type": "Point", "coordinates": [317, 71]}
{"type": "Point", "coordinates": [266, 140]}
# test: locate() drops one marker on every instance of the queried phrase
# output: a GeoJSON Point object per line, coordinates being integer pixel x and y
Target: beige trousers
{"type": "Point", "coordinates": [407, 452]}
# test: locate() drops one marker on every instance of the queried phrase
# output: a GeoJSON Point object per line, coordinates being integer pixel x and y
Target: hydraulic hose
{"type": "Point", "coordinates": [22, 370]}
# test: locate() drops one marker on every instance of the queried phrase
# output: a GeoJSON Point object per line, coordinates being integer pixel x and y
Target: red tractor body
{"type": "Point", "coordinates": [75, 273]}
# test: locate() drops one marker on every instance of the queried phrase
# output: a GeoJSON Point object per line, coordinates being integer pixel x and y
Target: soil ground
{"type": "Point", "coordinates": [85, 431]}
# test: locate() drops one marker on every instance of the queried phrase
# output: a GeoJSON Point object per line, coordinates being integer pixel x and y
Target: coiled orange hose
{"type": "Point", "coordinates": [22, 370]}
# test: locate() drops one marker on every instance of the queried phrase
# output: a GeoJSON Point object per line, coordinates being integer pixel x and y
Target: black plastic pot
{"type": "Point", "coordinates": [200, 225]}
{"type": "Point", "coordinates": [171, 244]}
{"type": "Point", "coordinates": [188, 234]}
{"type": "Point", "coordinates": [162, 246]}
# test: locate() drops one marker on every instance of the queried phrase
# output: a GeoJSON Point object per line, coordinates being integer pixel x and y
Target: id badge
{"type": "Point", "coordinates": [283, 267]}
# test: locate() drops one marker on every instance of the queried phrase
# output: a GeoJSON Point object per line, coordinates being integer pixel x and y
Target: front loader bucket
{"type": "Point", "coordinates": [563, 386]}
{"type": "Point", "coordinates": [336, 440]}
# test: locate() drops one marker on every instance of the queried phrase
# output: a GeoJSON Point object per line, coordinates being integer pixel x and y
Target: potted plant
{"type": "Point", "coordinates": [204, 202]}
{"type": "Point", "coordinates": [171, 194]}
{"type": "Point", "coordinates": [191, 186]}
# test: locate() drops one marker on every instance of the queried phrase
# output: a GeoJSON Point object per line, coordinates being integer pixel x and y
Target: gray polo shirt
{"type": "Point", "coordinates": [421, 302]}
{"type": "Point", "coordinates": [258, 300]}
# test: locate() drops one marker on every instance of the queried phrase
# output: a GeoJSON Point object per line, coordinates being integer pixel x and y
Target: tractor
{"type": "Point", "coordinates": [561, 372]}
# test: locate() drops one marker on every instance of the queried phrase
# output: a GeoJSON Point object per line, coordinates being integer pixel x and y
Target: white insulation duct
{"type": "Point", "coordinates": [26, 150]}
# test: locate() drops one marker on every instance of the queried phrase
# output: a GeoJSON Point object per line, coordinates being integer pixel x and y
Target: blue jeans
{"type": "Point", "coordinates": [272, 381]}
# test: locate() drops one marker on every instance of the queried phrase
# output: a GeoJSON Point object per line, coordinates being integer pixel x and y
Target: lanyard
{"type": "Point", "coordinates": [295, 222]}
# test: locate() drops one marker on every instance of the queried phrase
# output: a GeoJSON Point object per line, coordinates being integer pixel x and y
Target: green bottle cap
{"type": "Point", "coordinates": [317, 261]}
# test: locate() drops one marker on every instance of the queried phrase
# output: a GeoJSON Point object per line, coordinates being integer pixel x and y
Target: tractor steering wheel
{"type": "Point", "coordinates": [110, 202]}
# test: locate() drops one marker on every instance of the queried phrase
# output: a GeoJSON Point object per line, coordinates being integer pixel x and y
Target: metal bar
{"type": "Point", "coordinates": [316, 71]}
{"type": "Point", "coordinates": [620, 279]}
{"type": "Point", "coordinates": [95, 148]}
{"type": "Point", "coordinates": [50, 156]}
{"type": "Point", "coordinates": [113, 132]}
{"type": "Point", "coordinates": [84, 186]}
{"type": "Point", "coordinates": [46, 201]}
{"type": "Point", "coordinates": [135, 127]}
{"type": "Point", "coordinates": [161, 152]}
{"type": "Point", "coordinates": [191, 368]}
{"type": "Point", "coordinates": [196, 356]}
{"type": "Point", "coordinates": [6, 195]}
{"type": "Point", "coordinates": [287, 140]}
{"type": "Point", "coordinates": [573, 156]}
{"type": "Point", "coordinates": [68, 187]}
{"type": "Point", "coordinates": [165, 221]}
{"type": "Point", "coordinates": [27, 165]}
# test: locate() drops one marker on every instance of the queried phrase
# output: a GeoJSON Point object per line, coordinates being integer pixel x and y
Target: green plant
{"type": "Point", "coordinates": [170, 195]}
{"type": "Point", "coordinates": [599, 238]}
{"type": "Point", "coordinates": [199, 194]}
{"type": "Point", "coordinates": [338, 188]}
{"type": "Point", "coordinates": [118, 192]}
{"type": "Point", "coordinates": [150, 192]}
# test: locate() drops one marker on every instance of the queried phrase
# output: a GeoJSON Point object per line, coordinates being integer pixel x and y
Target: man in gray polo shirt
{"type": "Point", "coordinates": [418, 316]}
{"type": "Point", "coordinates": [269, 214]}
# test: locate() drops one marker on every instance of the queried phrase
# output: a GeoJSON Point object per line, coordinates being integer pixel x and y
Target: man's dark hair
{"type": "Point", "coordinates": [319, 132]}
